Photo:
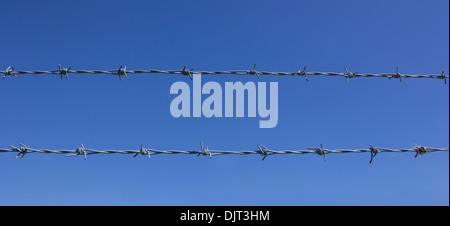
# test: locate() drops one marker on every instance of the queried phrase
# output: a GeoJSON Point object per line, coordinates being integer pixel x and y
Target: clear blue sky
{"type": "Point", "coordinates": [102, 112]}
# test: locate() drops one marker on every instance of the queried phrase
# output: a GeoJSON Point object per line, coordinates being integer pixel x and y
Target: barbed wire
{"type": "Point", "coordinates": [262, 150]}
{"type": "Point", "coordinates": [122, 71]}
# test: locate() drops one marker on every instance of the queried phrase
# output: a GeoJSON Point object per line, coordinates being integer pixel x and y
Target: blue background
{"type": "Point", "coordinates": [102, 112]}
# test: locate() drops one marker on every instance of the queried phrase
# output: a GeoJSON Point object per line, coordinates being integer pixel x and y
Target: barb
{"type": "Point", "coordinates": [187, 72]}
{"type": "Point", "coordinates": [442, 77]}
{"type": "Point", "coordinates": [321, 151]}
{"type": "Point", "coordinates": [349, 74]}
{"type": "Point", "coordinates": [262, 150]}
{"type": "Point", "coordinates": [253, 72]}
{"type": "Point", "coordinates": [143, 151]}
{"type": "Point", "coordinates": [80, 151]}
{"type": "Point", "coordinates": [9, 71]}
{"type": "Point", "coordinates": [22, 150]}
{"type": "Point", "coordinates": [63, 71]}
{"type": "Point", "coordinates": [396, 75]}
{"type": "Point", "coordinates": [123, 72]}
{"type": "Point", "coordinates": [373, 153]}
{"type": "Point", "coordinates": [303, 73]}
{"type": "Point", "coordinates": [420, 150]}
{"type": "Point", "coordinates": [204, 151]}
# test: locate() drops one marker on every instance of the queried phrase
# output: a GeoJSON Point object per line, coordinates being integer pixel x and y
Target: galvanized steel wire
{"type": "Point", "coordinates": [262, 150]}
{"type": "Point", "coordinates": [123, 72]}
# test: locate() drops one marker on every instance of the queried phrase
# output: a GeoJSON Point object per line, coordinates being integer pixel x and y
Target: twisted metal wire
{"type": "Point", "coordinates": [262, 150]}
{"type": "Point", "coordinates": [122, 71]}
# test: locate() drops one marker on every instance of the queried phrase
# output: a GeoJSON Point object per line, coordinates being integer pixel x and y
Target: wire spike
{"type": "Point", "coordinates": [320, 151]}
{"type": "Point", "coordinates": [253, 72]}
{"type": "Point", "coordinates": [303, 73]}
{"type": "Point", "coordinates": [263, 151]}
{"type": "Point", "coordinates": [79, 151]}
{"type": "Point", "coordinates": [349, 74]}
{"type": "Point", "coordinates": [143, 151]}
{"type": "Point", "coordinates": [187, 72]}
{"type": "Point", "coordinates": [64, 71]}
{"type": "Point", "coordinates": [396, 75]}
{"type": "Point", "coordinates": [122, 71]}
{"type": "Point", "coordinates": [9, 71]}
{"type": "Point", "coordinates": [420, 150]}
{"type": "Point", "coordinates": [204, 151]}
{"type": "Point", "coordinates": [373, 153]}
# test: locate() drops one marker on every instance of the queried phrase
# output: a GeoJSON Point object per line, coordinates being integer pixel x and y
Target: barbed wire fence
{"type": "Point", "coordinates": [262, 150]}
{"type": "Point", "coordinates": [204, 151]}
{"type": "Point", "coordinates": [123, 72]}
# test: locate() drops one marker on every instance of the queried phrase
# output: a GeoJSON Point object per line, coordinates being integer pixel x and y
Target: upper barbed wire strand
{"type": "Point", "coordinates": [121, 71]}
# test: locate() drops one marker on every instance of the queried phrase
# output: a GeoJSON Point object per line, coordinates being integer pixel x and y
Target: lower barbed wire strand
{"type": "Point", "coordinates": [264, 151]}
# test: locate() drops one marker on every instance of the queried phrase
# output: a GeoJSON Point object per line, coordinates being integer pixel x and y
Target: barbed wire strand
{"type": "Point", "coordinates": [262, 150]}
{"type": "Point", "coordinates": [122, 71]}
